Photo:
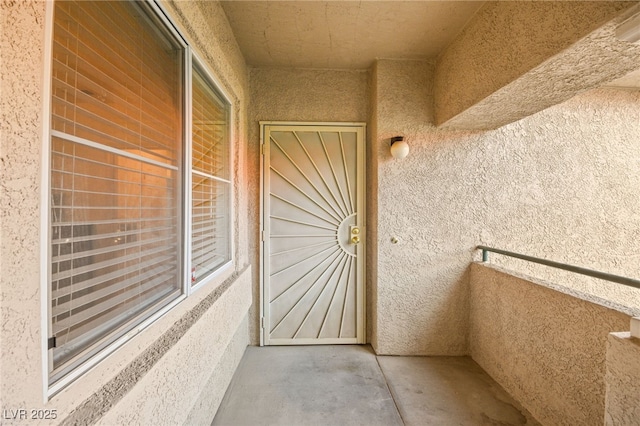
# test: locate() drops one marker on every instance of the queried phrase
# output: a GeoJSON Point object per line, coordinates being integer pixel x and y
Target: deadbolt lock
{"type": "Point", "coordinates": [355, 234]}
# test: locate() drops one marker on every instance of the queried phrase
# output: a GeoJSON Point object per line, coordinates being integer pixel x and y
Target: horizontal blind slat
{"type": "Point", "coordinates": [118, 234]}
{"type": "Point", "coordinates": [144, 281]}
{"type": "Point", "coordinates": [113, 221]}
{"type": "Point", "coordinates": [108, 304]}
{"type": "Point", "coordinates": [108, 250]}
{"type": "Point", "coordinates": [101, 279]}
{"type": "Point", "coordinates": [88, 333]}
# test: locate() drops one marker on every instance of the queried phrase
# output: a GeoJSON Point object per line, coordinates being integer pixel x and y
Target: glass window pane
{"type": "Point", "coordinates": [210, 150]}
{"type": "Point", "coordinates": [116, 79]}
{"type": "Point", "coordinates": [115, 193]}
{"type": "Point", "coordinates": [210, 230]}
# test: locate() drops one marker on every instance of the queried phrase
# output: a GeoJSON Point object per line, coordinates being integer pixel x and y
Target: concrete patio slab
{"type": "Point", "coordinates": [349, 385]}
{"type": "Point", "coordinates": [308, 385]}
{"type": "Point", "coordinates": [449, 391]}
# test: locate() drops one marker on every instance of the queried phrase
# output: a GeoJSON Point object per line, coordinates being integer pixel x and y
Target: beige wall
{"type": "Point", "coordinates": [623, 380]}
{"type": "Point", "coordinates": [296, 95]}
{"type": "Point", "coordinates": [182, 362]}
{"type": "Point", "coordinates": [560, 184]}
{"type": "Point", "coordinates": [428, 202]}
{"type": "Point", "coordinates": [517, 58]}
{"type": "Point", "coordinates": [21, 51]}
{"type": "Point", "coordinates": [546, 345]}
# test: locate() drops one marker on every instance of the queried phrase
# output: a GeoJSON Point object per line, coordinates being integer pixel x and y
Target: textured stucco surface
{"type": "Point", "coordinates": [421, 290]}
{"type": "Point", "coordinates": [21, 84]}
{"type": "Point", "coordinates": [563, 187]}
{"type": "Point", "coordinates": [560, 184]}
{"type": "Point", "coordinates": [623, 380]}
{"type": "Point", "coordinates": [22, 382]}
{"type": "Point", "coordinates": [546, 347]}
{"type": "Point", "coordinates": [308, 95]}
{"type": "Point", "coordinates": [517, 58]}
{"type": "Point", "coordinates": [343, 34]}
{"type": "Point", "coordinates": [296, 95]}
{"type": "Point", "coordinates": [213, 391]}
{"type": "Point", "coordinates": [168, 391]}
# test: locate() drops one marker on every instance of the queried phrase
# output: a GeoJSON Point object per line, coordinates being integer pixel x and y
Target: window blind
{"type": "Point", "coordinates": [211, 187]}
{"type": "Point", "coordinates": [115, 174]}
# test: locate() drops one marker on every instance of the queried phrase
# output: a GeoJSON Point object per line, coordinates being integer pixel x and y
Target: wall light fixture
{"type": "Point", "coordinates": [399, 148]}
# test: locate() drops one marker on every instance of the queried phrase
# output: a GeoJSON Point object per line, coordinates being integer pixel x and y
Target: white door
{"type": "Point", "coordinates": [313, 233]}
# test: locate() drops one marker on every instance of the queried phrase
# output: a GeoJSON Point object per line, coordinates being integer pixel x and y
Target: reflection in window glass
{"type": "Point", "coordinates": [211, 187]}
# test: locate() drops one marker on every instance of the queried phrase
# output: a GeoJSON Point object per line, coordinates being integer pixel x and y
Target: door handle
{"type": "Point", "coordinates": [355, 239]}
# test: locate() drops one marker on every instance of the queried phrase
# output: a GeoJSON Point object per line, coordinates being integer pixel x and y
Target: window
{"type": "Point", "coordinates": [117, 176]}
{"type": "Point", "coordinates": [211, 187]}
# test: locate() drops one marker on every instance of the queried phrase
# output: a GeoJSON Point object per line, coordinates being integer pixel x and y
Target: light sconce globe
{"type": "Point", "coordinates": [399, 148]}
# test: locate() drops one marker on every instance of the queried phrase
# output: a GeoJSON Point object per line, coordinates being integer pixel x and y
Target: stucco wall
{"type": "Point", "coordinates": [209, 325]}
{"type": "Point", "coordinates": [296, 95]}
{"type": "Point", "coordinates": [622, 405]}
{"type": "Point", "coordinates": [544, 344]}
{"type": "Point", "coordinates": [560, 184]}
{"type": "Point", "coordinates": [189, 381]}
{"type": "Point", "coordinates": [516, 58]}
{"type": "Point", "coordinates": [427, 201]}
{"type": "Point", "coordinates": [21, 56]}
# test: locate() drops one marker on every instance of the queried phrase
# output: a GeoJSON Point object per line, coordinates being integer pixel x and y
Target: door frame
{"type": "Point", "coordinates": [361, 301]}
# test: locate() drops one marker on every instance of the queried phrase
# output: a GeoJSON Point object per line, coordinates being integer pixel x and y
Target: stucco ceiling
{"type": "Point", "coordinates": [344, 34]}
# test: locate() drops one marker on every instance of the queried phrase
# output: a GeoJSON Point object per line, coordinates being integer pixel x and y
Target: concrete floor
{"type": "Point", "coordinates": [350, 385]}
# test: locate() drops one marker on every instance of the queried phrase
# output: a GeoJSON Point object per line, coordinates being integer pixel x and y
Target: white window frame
{"type": "Point", "coordinates": [194, 59]}
{"type": "Point", "coordinates": [190, 56]}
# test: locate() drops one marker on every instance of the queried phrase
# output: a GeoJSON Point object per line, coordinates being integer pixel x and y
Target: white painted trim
{"type": "Point", "coordinates": [361, 249]}
{"type": "Point", "coordinates": [219, 274]}
{"type": "Point", "coordinates": [214, 79]}
{"type": "Point", "coordinates": [186, 172]}
{"type": "Point", "coordinates": [195, 61]}
{"type": "Point", "coordinates": [161, 13]}
{"type": "Point", "coordinates": [313, 123]}
{"type": "Point", "coordinates": [261, 239]}
{"type": "Point", "coordinates": [264, 231]}
{"type": "Point", "coordinates": [234, 149]}
{"type": "Point", "coordinates": [45, 169]}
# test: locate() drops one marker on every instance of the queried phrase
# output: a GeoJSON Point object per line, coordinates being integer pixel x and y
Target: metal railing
{"type": "Point", "coordinates": [577, 269]}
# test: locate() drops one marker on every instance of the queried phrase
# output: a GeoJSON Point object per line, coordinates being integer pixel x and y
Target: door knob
{"type": "Point", "coordinates": [355, 239]}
